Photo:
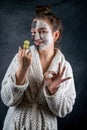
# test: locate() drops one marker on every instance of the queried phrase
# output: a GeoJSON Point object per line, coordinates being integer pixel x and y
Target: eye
{"type": "Point", "coordinates": [33, 32]}
{"type": "Point", "coordinates": [42, 31]}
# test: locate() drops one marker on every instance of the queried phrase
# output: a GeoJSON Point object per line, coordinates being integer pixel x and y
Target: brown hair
{"type": "Point", "coordinates": [44, 12]}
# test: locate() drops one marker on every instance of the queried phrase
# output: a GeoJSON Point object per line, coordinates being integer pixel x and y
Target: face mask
{"type": "Point", "coordinates": [41, 34]}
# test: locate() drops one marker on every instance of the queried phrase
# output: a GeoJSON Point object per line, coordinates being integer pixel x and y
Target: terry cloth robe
{"type": "Point", "coordinates": [31, 107]}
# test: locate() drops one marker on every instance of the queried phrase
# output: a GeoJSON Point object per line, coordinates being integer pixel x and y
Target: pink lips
{"type": "Point", "coordinates": [38, 43]}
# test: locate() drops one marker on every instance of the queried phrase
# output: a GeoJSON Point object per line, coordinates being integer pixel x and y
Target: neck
{"type": "Point", "coordinates": [46, 54]}
{"type": "Point", "coordinates": [46, 57]}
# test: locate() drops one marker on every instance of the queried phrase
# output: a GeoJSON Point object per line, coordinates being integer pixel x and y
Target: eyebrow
{"type": "Point", "coordinates": [39, 28]}
{"type": "Point", "coordinates": [42, 28]}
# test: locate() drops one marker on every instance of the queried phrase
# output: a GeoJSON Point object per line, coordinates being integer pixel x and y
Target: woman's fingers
{"type": "Point", "coordinates": [50, 75]}
{"type": "Point", "coordinates": [62, 71]}
{"type": "Point", "coordinates": [59, 68]}
{"type": "Point", "coordinates": [20, 48]}
{"type": "Point", "coordinates": [24, 52]}
{"type": "Point", "coordinates": [62, 80]}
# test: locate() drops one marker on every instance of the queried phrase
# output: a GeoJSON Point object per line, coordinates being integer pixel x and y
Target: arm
{"type": "Point", "coordinates": [15, 81]}
{"type": "Point", "coordinates": [61, 102]}
{"type": "Point", "coordinates": [11, 93]}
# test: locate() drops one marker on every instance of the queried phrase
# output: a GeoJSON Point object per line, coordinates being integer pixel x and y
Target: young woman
{"type": "Point", "coordinates": [39, 86]}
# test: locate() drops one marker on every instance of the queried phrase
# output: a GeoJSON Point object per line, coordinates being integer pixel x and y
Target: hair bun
{"type": "Point", "coordinates": [42, 9]}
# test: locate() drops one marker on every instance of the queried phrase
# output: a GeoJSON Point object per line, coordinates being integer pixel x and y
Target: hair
{"type": "Point", "coordinates": [44, 12]}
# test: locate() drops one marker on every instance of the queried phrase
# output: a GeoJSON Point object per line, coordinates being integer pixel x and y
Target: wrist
{"type": "Point", "coordinates": [21, 76]}
{"type": "Point", "coordinates": [23, 69]}
{"type": "Point", "coordinates": [52, 90]}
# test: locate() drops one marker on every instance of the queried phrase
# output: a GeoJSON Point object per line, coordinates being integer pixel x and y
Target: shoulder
{"type": "Point", "coordinates": [14, 61]}
{"type": "Point", "coordinates": [64, 60]}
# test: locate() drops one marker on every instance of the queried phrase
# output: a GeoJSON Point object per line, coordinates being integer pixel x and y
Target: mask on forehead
{"type": "Point", "coordinates": [40, 39]}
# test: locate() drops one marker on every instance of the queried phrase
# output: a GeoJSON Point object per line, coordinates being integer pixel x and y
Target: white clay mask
{"type": "Point", "coordinates": [41, 34]}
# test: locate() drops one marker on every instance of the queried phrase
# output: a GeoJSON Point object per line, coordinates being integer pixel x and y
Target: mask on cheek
{"type": "Point", "coordinates": [47, 38]}
{"type": "Point", "coordinates": [35, 35]}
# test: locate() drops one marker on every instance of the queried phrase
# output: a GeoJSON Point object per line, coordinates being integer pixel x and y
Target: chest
{"type": "Point", "coordinates": [45, 65]}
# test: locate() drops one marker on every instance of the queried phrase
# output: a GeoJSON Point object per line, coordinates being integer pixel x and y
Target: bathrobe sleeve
{"type": "Point", "coordinates": [11, 93]}
{"type": "Point", "coordinates": [61, 103]}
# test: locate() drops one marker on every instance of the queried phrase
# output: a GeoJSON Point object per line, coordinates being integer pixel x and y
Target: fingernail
{"type": "Point", "coordinates": [19, 48]}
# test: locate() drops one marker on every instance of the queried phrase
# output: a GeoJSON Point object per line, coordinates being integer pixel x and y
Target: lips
{"type": "Point", "coordinates": [38, 43]}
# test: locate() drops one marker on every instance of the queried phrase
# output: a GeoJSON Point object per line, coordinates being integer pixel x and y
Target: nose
{"type": "Point", "coordinates": [37, 36]}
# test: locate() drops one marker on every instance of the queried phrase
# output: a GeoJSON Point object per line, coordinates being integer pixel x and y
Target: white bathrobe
{"type": "Point", "coordinates": [30, 106]}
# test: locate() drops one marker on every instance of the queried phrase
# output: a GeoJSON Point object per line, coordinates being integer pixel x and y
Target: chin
{"type": "Point", "coordinates": [43, 47]}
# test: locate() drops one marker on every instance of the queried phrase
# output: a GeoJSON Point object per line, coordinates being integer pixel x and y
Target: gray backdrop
{"type": "Point", "coordinates": [15, 20]}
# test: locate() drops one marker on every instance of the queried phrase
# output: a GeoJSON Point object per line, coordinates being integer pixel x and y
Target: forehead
{"type": "Point", "coordinates": [39, 24]}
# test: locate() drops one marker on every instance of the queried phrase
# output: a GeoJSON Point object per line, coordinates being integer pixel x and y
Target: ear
{"type": "Point", "coordinates": [56, 35]}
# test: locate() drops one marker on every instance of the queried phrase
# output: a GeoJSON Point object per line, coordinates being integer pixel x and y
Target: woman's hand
{"type": "Point", "coordinates": [25, 60]}
{"type": "Point", "coordinates": [54, 80]}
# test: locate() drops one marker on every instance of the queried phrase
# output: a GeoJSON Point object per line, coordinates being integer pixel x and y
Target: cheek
{"type": "Point", "coordinates": [46, 37]}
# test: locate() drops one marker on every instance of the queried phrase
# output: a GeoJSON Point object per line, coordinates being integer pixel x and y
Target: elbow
{"type": "Point", "coordinates": [66, 109]}
{"type": "Point", "coordinates": [8, 100]}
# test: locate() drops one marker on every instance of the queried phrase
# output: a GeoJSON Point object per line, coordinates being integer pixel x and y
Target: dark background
{"type": "Point", "coordinates": [15, 20]}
